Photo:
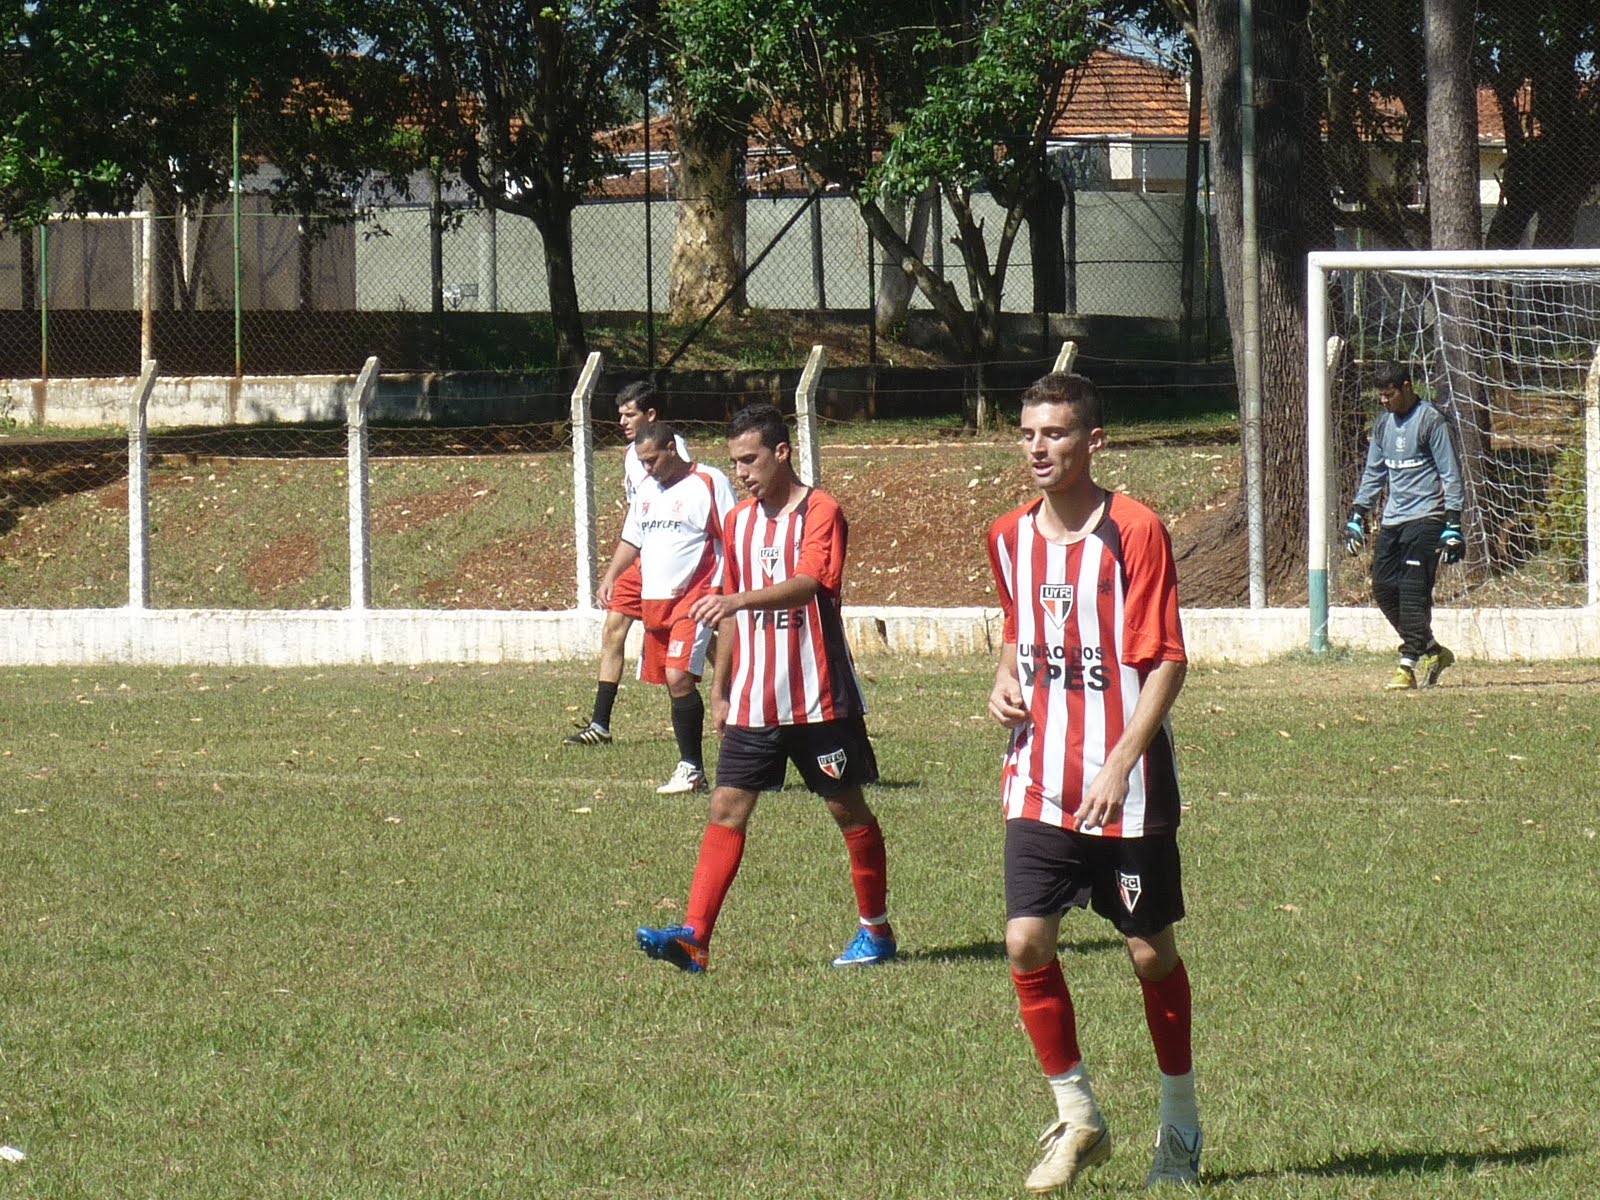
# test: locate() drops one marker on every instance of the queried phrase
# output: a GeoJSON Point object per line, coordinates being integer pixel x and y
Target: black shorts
{"type": "Point", "coordinates": [1135, 883]}
{"type": "Point", "coordinates": [833, 756]}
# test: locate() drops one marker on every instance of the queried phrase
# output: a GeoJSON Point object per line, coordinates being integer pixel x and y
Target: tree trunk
{"type": "Point", "coordinates": [708, 252]}
{"type": "Point", "coordinates": [164, 270]}
{"type": "Point", "coordinates": [1043, 211]}
{"type": "Point", "coordinates": [27, 270]}
{"type": "Point", "coordinates": [940, 293]}
{"type": "Point", "coordinates": [896, 286]}
{"type": "Point", "coordinates": [1455, 223]}
{"type": "Point", "coordinates": [1191, 207]}
{"type": "Point", "coordinates": [1454, 217]}
{"type": "Point", "coordinates": [565, 315]}
{"type": "Point", "coordinates": [1293, 208]}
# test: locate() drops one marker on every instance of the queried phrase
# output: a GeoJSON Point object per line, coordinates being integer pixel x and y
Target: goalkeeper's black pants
{"type": "Point", "coordinates": [1405, 560]}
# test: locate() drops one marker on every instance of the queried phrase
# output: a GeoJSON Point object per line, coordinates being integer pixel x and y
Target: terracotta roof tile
{"type": "Point", "coordinates": [1119, 94]}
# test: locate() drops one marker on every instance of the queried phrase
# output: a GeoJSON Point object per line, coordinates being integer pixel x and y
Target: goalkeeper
{"type": "Point", "coordinates": [1412, 453]}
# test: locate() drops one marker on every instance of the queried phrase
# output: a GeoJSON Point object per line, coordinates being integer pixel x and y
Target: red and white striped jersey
{"type": "Point", "coordinates": [633, 473]}
{"type": "Point", "coordinates": [1090, 620]}
{"type": "Point", "coordinates": [790, 666]}
{"type": "Point", "coordinates": [679, 534]}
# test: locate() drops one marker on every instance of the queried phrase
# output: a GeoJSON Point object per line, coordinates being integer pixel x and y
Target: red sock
{"type": "Point", "coordinates": [1048, 1017]}
{"type": "Point", "coordinates": [869, 872]}
{"type": "Point", "coordinates": [1167, 1012]}
{"type": "Point", "coordinates": [720, 852]}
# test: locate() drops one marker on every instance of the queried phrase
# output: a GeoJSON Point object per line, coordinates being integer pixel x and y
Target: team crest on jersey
{"type": "Point", "coordinates": [1131, 888]}
{"type": "Point", "coordinates": [1056, 600]}
{"type": "Point", "coordinates": [769, 557]}
{"type": "Point", "coordinates": [832, 764]}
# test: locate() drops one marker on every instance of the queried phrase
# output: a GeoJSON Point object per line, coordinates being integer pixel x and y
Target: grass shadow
{"type": "Point", "coordinates": [991, 949]}
{"type": "Point", "coordinates": [1375, 1164]}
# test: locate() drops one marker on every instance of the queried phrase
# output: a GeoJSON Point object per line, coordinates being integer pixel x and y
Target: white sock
{"type": "Point", "coordinates": [1178, 1104]}
{"type": "Point", "coordinates": [1075, 1099]}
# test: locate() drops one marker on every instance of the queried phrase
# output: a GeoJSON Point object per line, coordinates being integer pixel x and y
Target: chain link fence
{"type": "Point", "coordinates": [416, 272]}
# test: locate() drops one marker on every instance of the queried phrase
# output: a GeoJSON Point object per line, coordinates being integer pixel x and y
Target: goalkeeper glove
{"type": "Point", "coordinates": [1355, 532]}
{"type": "Point", "coordinates": [1452, 546]}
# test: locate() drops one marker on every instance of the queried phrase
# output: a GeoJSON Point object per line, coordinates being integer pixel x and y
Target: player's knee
{"type": "Point", "coordinates": [614, 634]}
{"type": "Point", "coordinates": [731, 807]}
{"type": "Point", "coordinates": [1028, 949]}
{"type": "Point", "coordinates": [1154, 958]}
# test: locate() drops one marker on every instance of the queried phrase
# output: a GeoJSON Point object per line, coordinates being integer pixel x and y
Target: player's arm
{"type": "Point", "coordinates": [1109, 789]}
{"type": "Point", "coordinates": [1005, 698]}
{"type": "Point", "coordinates": [791, 593]}
{"type": "Point", "coordinates": [1367, 492]}
{"type": "Point", "coordinates": [623, 557]}
{"type": "Point", "coordinates": [722, 679]}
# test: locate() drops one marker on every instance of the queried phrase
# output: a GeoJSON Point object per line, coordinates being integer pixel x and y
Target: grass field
{"type": "Point", "coordinates": [367, 933]}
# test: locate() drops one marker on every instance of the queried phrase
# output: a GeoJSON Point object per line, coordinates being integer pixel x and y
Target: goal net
{"type": "Point", "coordinates": [1505, 345]}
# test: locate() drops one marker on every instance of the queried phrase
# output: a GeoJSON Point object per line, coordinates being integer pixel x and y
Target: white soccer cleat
{"type": "Point", "coordinates": [687, 778]}
{"type": "Point", "coordinates": [1068, 1149]}
{"type": "Point", "coordinates": [1177, 1157]}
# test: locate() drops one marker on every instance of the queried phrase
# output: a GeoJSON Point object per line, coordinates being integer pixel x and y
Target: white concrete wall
{"type": "Point", "coordinates": [199, 637]}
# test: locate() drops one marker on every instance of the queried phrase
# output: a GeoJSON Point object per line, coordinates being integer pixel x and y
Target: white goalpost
{"type": "Point", "coordinates": [1506, 344]}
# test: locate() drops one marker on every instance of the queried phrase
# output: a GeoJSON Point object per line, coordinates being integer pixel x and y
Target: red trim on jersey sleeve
{"type": "Point", "coordinates": [1152, 627]}
{"type": "Point", "coordinates": [1002, 561]}
{"type": "Point", "coordinates": [733, 580]}
{"type": "Point", "coordinates": [823, 542]}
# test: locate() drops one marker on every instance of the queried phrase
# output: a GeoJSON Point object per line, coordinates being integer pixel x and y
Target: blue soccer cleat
{"type": "Point", "coordinates": [868, 949]}
{"type": "Point", "coordinates": [675, 944]}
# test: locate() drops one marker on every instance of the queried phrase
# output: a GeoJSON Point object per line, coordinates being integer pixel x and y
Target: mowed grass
{"type": "Point", "coordinates": [368, 933]}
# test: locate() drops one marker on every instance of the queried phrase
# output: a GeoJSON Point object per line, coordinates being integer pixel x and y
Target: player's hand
{"type": "Point", "coordinates": [1005, 703]}
{"type": "Point", "coordinates": [603, 593]}
{"type": "Point", "coordinates": [1102, 805]}
{"type": "Point", "coordinates": [712, 609]}
{"type": "Point", "coordinates": [1355, 533]}
{"type": "Point", "coordinates": [1452, 545]}
{"type": "Point", "coordinates": [719, 713]}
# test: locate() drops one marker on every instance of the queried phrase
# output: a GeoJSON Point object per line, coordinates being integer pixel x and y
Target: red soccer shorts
{"type": "Point", "coordinates": [680, 645]}
{"type": "Point", "coordinates": [625, 594]}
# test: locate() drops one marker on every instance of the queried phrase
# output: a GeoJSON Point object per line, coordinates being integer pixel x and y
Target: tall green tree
{"type": "Point", "coordinates": [510, 97]}
{"type": "Point", "coordinates": [112, 104]}
{"type": "Point", "coordinates": [893, 98]}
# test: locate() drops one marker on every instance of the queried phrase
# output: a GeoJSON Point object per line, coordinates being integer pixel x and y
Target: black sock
{"type": "Point", "coordinates": [689, 726]}
{"type": "Point", "coordinates": [605, 695]}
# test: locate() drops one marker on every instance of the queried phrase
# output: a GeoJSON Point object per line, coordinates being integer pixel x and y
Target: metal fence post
{"type": "Point", "coordinates": [805, 417]}
{"type": "Point", "coordinates": [1591, 476]}
{"type": "Point", "coordinates": [583, 515]}
{"type": "Point", "coordinates": [139, 489]}
{"type": "Point", "coordinates": [359, 490]}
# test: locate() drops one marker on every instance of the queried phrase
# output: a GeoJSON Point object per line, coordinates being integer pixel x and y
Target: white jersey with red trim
{"type": "Point", "coordinates": [678, 531]}
{"type": "Point", "coordinates": [633, 472]}
{"type": "Point", "coordinates": [1090, 620]}
{"type": "Point", "coordinates": [790, 666]}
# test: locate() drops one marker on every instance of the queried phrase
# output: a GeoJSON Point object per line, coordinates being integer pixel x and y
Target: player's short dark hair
{"type": "Point", "coordinates": [1077, 392]}
{"type": "Point", "coordinates": [656, 433]}
{"type": "Point", "coordinates": [641, 392]}
{"type": "Point", "coordinates": [764, 419]}
{"type": "Point", "coordinates": [1391, 375]}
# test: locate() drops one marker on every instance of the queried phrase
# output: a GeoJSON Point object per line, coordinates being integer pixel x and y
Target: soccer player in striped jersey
{"type": "Point", "coordinates": [785, 691]}
{"type": "Point", "coordinates": [1091, 661]}
{"type": "Point", "coordinates": [674, 532]}
{"type": "Point", "coordinates": [638, 405]}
